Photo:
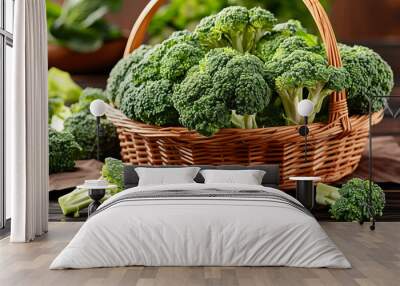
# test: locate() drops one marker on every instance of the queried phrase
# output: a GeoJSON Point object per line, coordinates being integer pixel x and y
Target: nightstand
{"type": "Point", "coordinates": [96, 193]}
{"type": "Point", "coordinates": [305, 191]}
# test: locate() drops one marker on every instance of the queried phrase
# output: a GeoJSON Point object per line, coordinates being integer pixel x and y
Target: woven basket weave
{"type": "Point", "coordinates": [334, 149]}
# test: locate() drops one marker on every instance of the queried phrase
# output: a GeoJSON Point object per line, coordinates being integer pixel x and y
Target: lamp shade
{"type": "Point", "coordinates": [97, 107]}
{"type": "Point", "coordinates": [305, 107]}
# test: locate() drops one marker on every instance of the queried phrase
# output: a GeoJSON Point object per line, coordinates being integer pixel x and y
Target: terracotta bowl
{"type": "Point", "coordinates": [99, 61]}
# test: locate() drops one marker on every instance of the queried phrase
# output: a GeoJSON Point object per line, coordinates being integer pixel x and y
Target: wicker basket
{"type": "Point", "coordinates": [334, 149]}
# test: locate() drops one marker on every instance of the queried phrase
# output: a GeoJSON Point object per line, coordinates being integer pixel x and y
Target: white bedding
{"type": "Point", "coordinates": [200, 231]}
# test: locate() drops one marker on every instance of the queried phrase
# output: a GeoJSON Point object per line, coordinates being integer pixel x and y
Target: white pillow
{"type": "Point", "coordinates": [247, 177]}
{"type": "Point", "coordinates": [166, 176]}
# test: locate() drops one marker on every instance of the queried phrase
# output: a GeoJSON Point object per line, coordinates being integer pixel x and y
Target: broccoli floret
{"type": "Point", "coordinates": [149, 68]}
{"type": "Point", "coordinates": [122, 70]}
{"type": "Point", "coordinates": [178, 60]}
{"type": "Point", "coordinates": [289, 36]}
{"type": "Point", "coordinates": [63, 151]}
{"type": "Point", "coordinates": [113, 173]}
{"type": "Point", "coordinates": [232, 22]}
{"type": "Point", "coordinates": [216, 59]}
{"type": "Point", "coordinates": [208, 35]}
{"type": "Point", "coordinates": [235, 27]}
{"type": "Point", "coordinates": [180, 37]}
{"type": "Point", "coordinates": [83, 126]}
{"type": "Point", "coordinates": [289, 45]}
{"type": "Point", "coordinates": [370, 76]}
{"type": "Point", "coordinates": [300, 71]}
{"type": "Point", "coordinates": [151, 103]}
{"type": "Point", "coordinates": [88, 95]}
{"type": "Point", "coordinates": [199, 108]}
{"type": "Point", "coordinates": [222, 95]}
{"type": "Point", "coordinates": [261, 21]}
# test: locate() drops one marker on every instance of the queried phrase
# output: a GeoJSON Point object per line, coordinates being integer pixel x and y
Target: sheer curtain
{"type": "Point", "coordinates": [26, 120]}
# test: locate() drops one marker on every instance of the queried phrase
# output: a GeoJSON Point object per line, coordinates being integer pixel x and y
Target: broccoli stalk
{"type": "Point", "coordinates": [326, 195]}
{"type": "Point", "coordinates": [79, 199]}
{"type": "Point", "coordinates": [243, 121]}
{"type": "Point", "coordinates": [300, 71]}
{"type": "Point", "coordinates": [291, 98]}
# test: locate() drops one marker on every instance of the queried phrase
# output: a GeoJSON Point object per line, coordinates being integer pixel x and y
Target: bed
{"type": "Point", "coordinates": [197, 224]}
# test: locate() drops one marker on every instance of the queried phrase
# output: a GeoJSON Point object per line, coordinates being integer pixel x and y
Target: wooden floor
{"type": "Point", "coordinates": [375, 257]}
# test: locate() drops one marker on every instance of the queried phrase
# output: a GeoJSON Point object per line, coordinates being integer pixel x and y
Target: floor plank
{"type": "Point", "coordinates": [375, 257]}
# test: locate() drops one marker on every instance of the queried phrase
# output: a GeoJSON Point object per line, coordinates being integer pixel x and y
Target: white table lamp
{"type": "Point", "coordinates": [98, 109]}
{"type": "Point", "coordinates": [305, 108]}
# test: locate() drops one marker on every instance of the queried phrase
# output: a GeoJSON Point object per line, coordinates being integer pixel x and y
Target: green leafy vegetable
{"type": "Point", "coordinates": [123, 71]}
{"type": "Point", "coordinates": [61, 85]}
{"type": "Point", "coordinates": [185, 14]}
{"type": "Point", "coordinates": [79, 24]}
{"type": "Point", "coordinates": [178, 60]}
{"type": "Point", "coordinates": [241, 69]}
{"type": "Point", "coordinates": [354, 200]}
{"type": "Point", "coordinates": [151, 103]}
{"type": "Point", "coordinates": [289, 36]}
{"type": "Point", "coordinates": [83, 127]}
{"type": "Point", "coordinates": [113, 173]}
{"type": "Point", "coordinates": [62, 91]}
{"type": "Point", "coordinates": [63, 151]}
{"type": "Point", "coordinates": [370, 76]}
{"type": "Point", "coordinates": [235, 27]}
{"type": "Point", "coordinates": [294, 72]}
{"type": "Point", "coordinates": [225, 85]}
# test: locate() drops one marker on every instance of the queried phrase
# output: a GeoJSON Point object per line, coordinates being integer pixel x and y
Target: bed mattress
{"type": "Point", "coordinates": [201, 225]}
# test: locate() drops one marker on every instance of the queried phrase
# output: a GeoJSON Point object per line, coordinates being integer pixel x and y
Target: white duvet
{"type": "Point", "coordinates": [202, 232]}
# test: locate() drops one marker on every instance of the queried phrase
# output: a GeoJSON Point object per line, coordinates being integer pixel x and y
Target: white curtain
{"type": "Point", "coordinates": [26, 120]}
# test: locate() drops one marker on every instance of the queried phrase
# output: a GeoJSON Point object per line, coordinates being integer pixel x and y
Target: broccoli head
{"type": "Point", "coordinates": [232, 22]}
{"type": "Point", "coordinates": [216, 59]}
{"type": "Point", "coordinates": [63, 151]}
{"type": "Point", "coordinates": [123, 70]}
{"type": "Point", "coordinates": [261, 21]}
{"type": "Point", "coordinates": [178, 60]}
{"type": "Point", "coordinates": [152, 67]}
{"type": "Point", "coordinates": [83, 127]}
{"type": "Point", "coordinates": [304, 74]}
{"type": "Point", "coordinates": [113, 173]}
{"type": "Point", "coordinates": [370, 76]}
{"type": "Point", "coordinates": [235, 27]}
{"type": "Point", "coordinates": [211, 98]}
{"type": "Point", "coordinates": [151, 103]}
{"type": "Point", "coordinates": [289, 35]}
{"type": "Point", "coordinates": [207, 34]}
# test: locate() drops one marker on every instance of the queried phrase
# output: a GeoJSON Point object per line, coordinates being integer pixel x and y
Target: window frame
{"type": "Point", "coordinates": [6, 39]}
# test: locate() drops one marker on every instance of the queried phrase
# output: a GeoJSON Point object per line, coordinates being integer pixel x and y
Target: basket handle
{"type": "Point", "coordinates": [338, 111]}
